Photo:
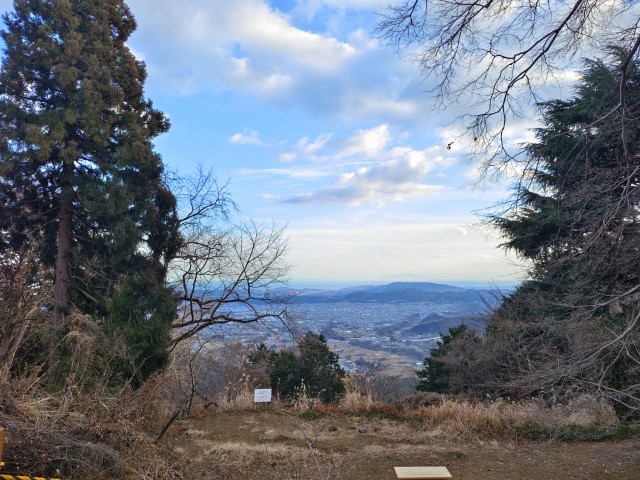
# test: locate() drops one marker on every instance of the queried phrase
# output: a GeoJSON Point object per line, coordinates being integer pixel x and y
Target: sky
{"type": "Point", "coordinates": [320, 128]}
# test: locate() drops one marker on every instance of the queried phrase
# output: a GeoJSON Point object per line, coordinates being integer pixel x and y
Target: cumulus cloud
{"type": "Point", "coordinates": [260, 28]}
{"type": "Point", "coordinates": [393, 180]}
{"type": "Point", "coordinates": [250, 47]}
{"type": "Point", "coordinates": [245, 46]}
{"type": "Point", "coordinates": [249, 138]}
{"type": "Point", "coordinates": [369, 143]}
{"type": "Point", "coordinates": [368, 166]}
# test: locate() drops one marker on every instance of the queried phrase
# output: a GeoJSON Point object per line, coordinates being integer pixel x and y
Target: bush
{"type": "Point", "coordinates": [313, 369]}
{"type": "Point", "coordinates": [448, 369]}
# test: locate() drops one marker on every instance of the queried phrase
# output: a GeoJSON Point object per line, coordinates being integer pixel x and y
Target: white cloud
{"type": "Point", "coordinates": [367, 142]}
{"type": "Point", "coordinates": [393, 180]}
{"type": "Point", "coordinates": [298, 173]}
{"type": "Point", "coordinates": [265, 30]}
{"type": "Point", "coordinates": [371, 106]}
{"type": "Point", "coordinates": [370, 143]}
{"type": "Point", "coordinates": [250, 138]}
{"type": "Point", "coordinates": [308, 149]}
{"type": "Point", "coordinates": [240, 45]}
{"type": "Point", "coordinates": [252, 48]}
{"type": "Point", "coordinates": [368, 167]}
{"type": "Point", "coordinates": [267, 196]}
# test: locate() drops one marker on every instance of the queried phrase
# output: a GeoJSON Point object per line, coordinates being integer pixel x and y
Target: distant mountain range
{"type": "Point", "coordinates": [395, 293]}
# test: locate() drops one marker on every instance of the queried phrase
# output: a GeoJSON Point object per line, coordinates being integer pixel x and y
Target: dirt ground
{"type": "Point", "coordinates": [261, 445]}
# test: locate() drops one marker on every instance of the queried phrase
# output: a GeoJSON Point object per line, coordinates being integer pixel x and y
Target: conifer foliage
{"type": "Point", "coordinates": [574, 325]}
{"type": "Point", "coordinates": [78, 170]}
{"type": "Point", "coordinates": [314, 370]}
{"type": "Point", "coordinates": [437, 375]}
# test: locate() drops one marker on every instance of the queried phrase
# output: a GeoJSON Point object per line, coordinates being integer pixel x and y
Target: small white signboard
{"type": "Point", "coordinates": [262, 395]}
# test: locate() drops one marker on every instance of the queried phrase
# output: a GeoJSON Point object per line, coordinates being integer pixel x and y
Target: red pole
{"type": "Point", "coordinates": [1, 445]}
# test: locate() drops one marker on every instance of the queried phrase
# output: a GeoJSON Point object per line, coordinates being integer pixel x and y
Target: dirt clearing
{"type": "Point", "coordinates": [261, 445]}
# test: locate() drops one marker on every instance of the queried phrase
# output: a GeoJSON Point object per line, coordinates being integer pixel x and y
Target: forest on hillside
{"type": "Point", "coordinates": [112, 266]}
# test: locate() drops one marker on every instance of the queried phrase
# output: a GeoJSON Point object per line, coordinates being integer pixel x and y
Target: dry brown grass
{"type": "Point", "coordinates": [444, 415]}
{"type": "Point", "coordinates": [81, 427]}
{"type": "Point", "coordinates": [358, 396]}
{"type": "Point", "coordinates": [238, 396]}
{"type": "Point", "coordinates": [79, 432]}
{"type": "Point", "coordinates": [499, 417]}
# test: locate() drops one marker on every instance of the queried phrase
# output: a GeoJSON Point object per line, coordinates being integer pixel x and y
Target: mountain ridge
{"type": "Point", "coordinates": [392, 293]}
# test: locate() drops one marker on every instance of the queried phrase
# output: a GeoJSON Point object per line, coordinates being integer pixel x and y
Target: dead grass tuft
{"type": "Point", "coordinates": [464, 418]}
{"type": "Point", "coordinates": [358, 396]}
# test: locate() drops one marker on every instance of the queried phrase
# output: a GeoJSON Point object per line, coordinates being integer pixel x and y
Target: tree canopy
{"type": "Point", "coordinates": [313, 370]}
{"type": "Point", "coordinates": [77, 167]}
{"type": "Point", "coordinates": [436, 374]}
{"type": "Point", "coordinates": [576, 219]}
{"type": "Point", "coordinates": [574, 325]}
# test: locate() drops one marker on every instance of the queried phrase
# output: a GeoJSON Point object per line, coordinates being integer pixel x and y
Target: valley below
{"type": "Point", "coordinates": [390, 327]}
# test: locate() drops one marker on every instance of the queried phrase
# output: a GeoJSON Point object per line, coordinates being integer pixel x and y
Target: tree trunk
{"type": "Point", "coordinates": [62, 280]}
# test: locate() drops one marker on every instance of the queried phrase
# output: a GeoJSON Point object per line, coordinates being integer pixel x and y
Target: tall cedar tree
{"type": "Point", "coordinates": [575, 218]}
{"type": "Point", "coordinates": [76, 153]}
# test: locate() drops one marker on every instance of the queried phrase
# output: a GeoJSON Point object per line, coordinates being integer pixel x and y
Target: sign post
{"type": "Point", "coordinates": [1, 445]}
{"type": "Point", "coordinates": [261, 395]}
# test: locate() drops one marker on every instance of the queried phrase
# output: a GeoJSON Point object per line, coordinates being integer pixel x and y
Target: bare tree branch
{"type": "Point", "coordinates": [496, 56]}
{"type": "Point", "coordinates": [224, 273]}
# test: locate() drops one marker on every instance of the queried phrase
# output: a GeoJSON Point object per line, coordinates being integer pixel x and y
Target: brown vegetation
{"type": "Point", "coordinates": [171, 426]}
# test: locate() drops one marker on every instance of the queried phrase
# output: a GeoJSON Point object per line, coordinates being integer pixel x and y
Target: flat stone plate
{"type": "Point", "coordinates": [418, 473]}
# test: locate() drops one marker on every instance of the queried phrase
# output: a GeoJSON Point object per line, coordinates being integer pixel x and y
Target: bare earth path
{"type": "Point", "coordinates": [274, 446]}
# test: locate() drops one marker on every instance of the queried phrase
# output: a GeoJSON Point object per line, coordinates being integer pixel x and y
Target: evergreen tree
{"type": "Point", "coordinates": [439, 373]}
{"type": "Point", "coordinates": [321, 367]}
{"type": "Point", "coordinates": [574, 216]}
{"type": "Point", "coordinates": [315, 366]}
{"type": "Point", "coordinates": [577, 199]}
{"type": "Point", "coordinates": [76, 153]}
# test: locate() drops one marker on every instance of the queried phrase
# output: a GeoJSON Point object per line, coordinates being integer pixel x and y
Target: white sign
{"type": "Point", "coordinates": [262, 395]}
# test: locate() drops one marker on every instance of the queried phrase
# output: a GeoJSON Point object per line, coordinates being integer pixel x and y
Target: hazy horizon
{"type": "Point", "coordinates": [340, 284]}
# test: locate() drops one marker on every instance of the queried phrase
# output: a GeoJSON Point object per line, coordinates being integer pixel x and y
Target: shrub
{"type": "Point", "coordinates": [314, 368]}
{"type": "Point", "coordinates": [449, 366]}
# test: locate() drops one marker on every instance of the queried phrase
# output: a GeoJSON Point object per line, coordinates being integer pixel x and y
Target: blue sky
{"type": "Point", "coordinates": [320, 128]}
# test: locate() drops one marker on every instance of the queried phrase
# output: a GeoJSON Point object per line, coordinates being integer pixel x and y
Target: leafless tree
{"type": "Point", "coordinates": [496, 56]}
{"type": "Point", "coordinates": [223, 273]}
